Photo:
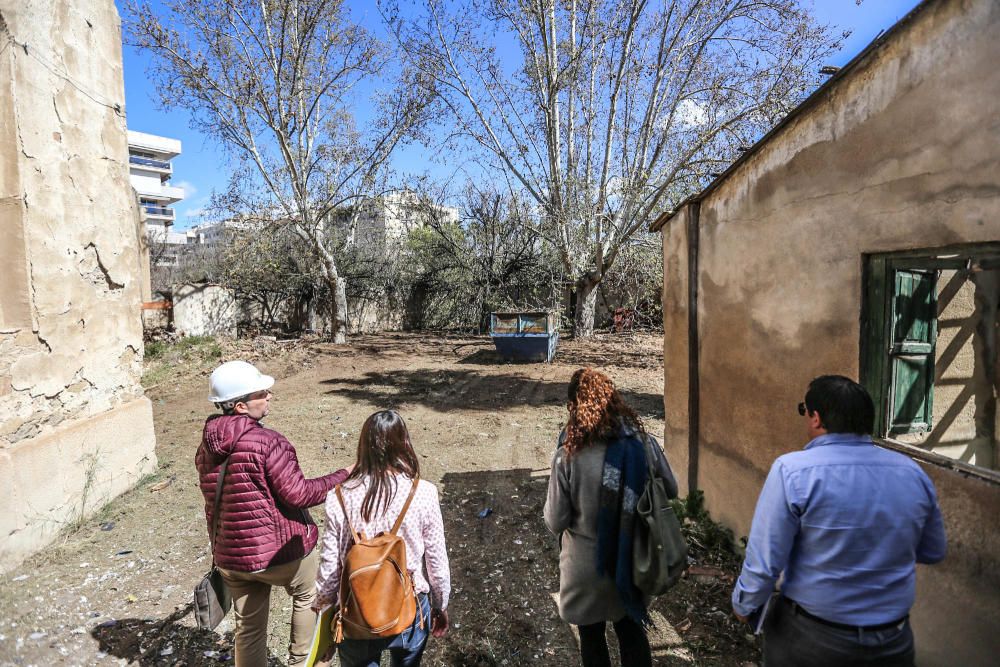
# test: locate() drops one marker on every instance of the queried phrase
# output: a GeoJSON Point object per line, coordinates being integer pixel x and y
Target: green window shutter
{"type": "Point", "coordinates": [911, 351]}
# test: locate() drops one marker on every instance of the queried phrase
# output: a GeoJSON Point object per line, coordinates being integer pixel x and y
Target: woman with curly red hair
{"type": "Point", "coordinates": [598, 472]}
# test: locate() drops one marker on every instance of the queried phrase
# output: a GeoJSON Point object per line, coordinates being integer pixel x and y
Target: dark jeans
{"type": "Point", "coordinates": [405, 650]}
{"type": "Point", "coordinates": [633, 645]}
{"type": "Point", "coordinates": [793, 640]}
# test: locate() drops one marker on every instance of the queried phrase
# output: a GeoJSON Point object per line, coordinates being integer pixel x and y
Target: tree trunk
{"type": "Point", "coordinates": [338, 311]}
{"type": "Point", "coordinates": [586, 304]}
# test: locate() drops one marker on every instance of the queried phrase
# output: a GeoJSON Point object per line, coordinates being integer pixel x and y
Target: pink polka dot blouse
{"type": "Point", "coordinates": [422, 530]}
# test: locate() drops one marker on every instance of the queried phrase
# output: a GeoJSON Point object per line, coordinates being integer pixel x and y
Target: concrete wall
{"type": "Point", "coordinates": [676, 342]}
{"type": "Point", "coordinates": [902, 152]}
{"type": "Point", "coordinates": [204, 310]}
{"type": "Point", "coordinates": [75, 429]}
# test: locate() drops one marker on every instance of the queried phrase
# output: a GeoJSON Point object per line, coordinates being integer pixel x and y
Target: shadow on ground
{"type": "Point", "coordinates": [447, 390]}
{"type": "Point", "coordinates": [504, 569]}
{"type": "Point", "coordinates": [153, 642]}
{"type": "Point", "coordinates": [648, 406]}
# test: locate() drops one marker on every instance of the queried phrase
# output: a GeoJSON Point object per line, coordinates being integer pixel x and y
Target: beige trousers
{"type": "Point", "coordinates": [251, 593]}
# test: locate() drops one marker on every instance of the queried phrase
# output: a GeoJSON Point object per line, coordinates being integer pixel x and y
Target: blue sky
{"type": "Point", "coordinates": [202, 166]}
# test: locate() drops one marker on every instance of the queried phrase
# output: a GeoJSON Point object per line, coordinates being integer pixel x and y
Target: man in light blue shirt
{"type": "Point", "coordinates": [843, 522]}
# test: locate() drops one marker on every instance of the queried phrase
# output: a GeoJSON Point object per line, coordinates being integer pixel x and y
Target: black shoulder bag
{"type": "Point", "coordinates": [659, 550]}
{"type": "Point", "coordinates": [211, 597]}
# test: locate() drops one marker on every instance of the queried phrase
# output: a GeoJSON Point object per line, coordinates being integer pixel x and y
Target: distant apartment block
{"type": "Point", "coordinates": [386, 220]}
{"type": "Point", "coordinates": [216, 232]}
{"type": "Point", "coordinates": [150, 170]}
{"type": "Point", "coordinates": [382, 222]}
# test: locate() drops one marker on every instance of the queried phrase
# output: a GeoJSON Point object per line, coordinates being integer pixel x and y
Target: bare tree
{"type": "Point", "coordinates": [276, 83]}
{"type": "Point", "coordinates": [268, 268]}
{"type": "Point", "coordinates": [606, 112]}
{"type": "Point", "coordinates": [488, 257]}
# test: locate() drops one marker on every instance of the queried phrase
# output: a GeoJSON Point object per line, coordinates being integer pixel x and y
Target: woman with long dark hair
{"type": "Point", "coordinates": [598, 472]}
{"type": "Point", "coordinates": [373, 497]}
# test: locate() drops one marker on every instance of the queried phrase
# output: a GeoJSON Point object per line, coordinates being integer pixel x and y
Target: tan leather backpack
{"type": "Point", "coordinates": [377, 599]}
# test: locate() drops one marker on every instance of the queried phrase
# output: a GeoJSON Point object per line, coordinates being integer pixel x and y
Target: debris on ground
{"type": "Point", "coordinates": [116, 589]}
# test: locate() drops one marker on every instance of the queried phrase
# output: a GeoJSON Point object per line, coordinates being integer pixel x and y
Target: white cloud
{"type": "Point", "coordinates": [691, 113]}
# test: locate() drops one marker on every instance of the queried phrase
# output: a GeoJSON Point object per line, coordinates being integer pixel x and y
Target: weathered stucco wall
{"type": "Point", "coordinates": [676, 376]}
{"type": "Point", "coordinates": [901, 153]}
{"type": "Point", "coordinates": [204, 310]}
{"type": "Point", "coordinates": [75, 428]}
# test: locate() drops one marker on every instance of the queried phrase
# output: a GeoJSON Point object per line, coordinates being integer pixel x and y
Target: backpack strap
{"type": "Point", "coordinates": [406, 506]}
{"type": "Point", "coordinates": [347, 518]}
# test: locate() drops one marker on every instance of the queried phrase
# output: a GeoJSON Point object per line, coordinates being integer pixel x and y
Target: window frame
{"type": "Point", "coordinates": [876, 320]}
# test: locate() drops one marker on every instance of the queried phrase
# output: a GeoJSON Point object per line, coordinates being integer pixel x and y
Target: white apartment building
{"type": "Point", "coordinates": [150, 170]}
{"type": "Point", "coordinates": [384, 221]}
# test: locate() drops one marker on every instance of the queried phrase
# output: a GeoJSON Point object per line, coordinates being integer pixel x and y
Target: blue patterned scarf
{"type": "Point", "coordinates": [622, 483]}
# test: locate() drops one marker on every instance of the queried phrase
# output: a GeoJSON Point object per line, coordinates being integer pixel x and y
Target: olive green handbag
{"type": "Point", "coordinates": [659, 550]}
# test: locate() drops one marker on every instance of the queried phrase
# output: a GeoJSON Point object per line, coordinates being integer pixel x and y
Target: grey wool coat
{"type": "Point", "coordinates": [571, 508]}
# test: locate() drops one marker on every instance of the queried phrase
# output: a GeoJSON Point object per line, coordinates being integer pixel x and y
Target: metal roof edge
{"type": "Point", "coordinates": [801, 108]}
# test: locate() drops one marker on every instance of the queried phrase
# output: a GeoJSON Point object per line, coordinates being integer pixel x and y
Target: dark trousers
{"type": "Point", "coordinates": [633, 645]}
{"type": "Point", "coordinates": [793, 640]}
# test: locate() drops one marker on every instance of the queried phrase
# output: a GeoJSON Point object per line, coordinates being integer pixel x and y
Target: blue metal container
{"type": "Point", "coordinates": [525, 336]}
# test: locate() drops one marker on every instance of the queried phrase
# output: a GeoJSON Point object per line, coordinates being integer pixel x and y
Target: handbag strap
{"type": "Point", "coordinates": [645, 447]}
{"type": "Point", "coordinates": [218, 501]}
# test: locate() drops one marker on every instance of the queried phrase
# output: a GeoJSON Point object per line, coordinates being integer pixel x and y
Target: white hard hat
{"type": "Point", "coordinates": [234, 379]}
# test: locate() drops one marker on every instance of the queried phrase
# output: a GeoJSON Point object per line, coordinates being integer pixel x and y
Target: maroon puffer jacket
{"type": "Point", "coordinates": [263, 517]}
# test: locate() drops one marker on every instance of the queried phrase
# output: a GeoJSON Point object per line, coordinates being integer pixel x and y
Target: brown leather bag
{"type": "Point", "coordinates": [377, 599]}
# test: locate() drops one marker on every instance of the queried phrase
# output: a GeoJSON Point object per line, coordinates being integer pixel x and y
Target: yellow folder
{"type": "Point", "coordinates": [322, 641]}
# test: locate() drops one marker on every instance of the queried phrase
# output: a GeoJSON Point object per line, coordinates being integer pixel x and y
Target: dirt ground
{"type": "Point", "coordinates": [117, 589]}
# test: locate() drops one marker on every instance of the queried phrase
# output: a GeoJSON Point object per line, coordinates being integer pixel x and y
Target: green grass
{"type": "Point", "coordinates": [165, 360]}
{"type": "Point", "coordinates": [702, 533]}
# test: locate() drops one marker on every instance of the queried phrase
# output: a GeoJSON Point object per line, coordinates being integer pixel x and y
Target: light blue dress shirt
{"type": "Point", "coordinates": [846, 522]}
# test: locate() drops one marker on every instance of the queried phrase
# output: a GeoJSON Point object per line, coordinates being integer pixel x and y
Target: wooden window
{"type": "Point", "coordinates": [898, 337]}
{"type": "Point", "coordinates": [911, 350]}
{"type": "Point", "coordinates": [899, 331]}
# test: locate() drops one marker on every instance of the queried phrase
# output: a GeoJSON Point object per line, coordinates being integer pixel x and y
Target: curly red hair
{"type": "Point", "coordinates": [596, 410]}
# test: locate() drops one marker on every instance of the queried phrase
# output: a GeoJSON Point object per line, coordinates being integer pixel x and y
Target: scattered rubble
{"type": "Point", "coordinates": [118, 590]}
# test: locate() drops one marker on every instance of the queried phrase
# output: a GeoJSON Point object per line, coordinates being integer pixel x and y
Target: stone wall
{"type": "Point", "coordinates": [75, 429]}
{"type": "Point", "coordinates": [204, 310]}
{"type": "Point", "coordinates": [901, 152]}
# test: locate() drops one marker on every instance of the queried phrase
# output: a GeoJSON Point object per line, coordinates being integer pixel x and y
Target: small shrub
{"type": "Point", "coordinates": [702, 533]}
{"type": "Point", "coordinates": [192, 342]}
{"type": "Point", "coordinates": [165, 359]}
{"type": "Point", "coordinates": [155, 349]}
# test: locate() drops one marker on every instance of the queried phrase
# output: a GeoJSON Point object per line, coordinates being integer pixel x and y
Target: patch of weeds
{"type": "Point", "coordinates": [150, 479]}
{"type": "Point", "coordinates": [166, 360]}
{"type": "Point", "coordinates": [705, 537]}
{"type": "Point", "coordinates": [155, 349]}
{"type": "Point", "coordinates": [193, 342]}
{"type": "Point", "coordinates": [156, 375]}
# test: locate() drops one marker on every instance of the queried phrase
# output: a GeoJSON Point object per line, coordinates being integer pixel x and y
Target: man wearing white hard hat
{"type": "Point", "coordinates": [265, 535]}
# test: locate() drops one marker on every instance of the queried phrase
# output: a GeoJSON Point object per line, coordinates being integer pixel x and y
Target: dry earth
{"type": "Point", "coordinates": [116, 589]}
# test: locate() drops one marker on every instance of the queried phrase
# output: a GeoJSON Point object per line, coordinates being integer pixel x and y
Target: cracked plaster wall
{"type": "Point", "coordinates": [70, 328]}
{"type": "Point", "coordinates": [901, 153]}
